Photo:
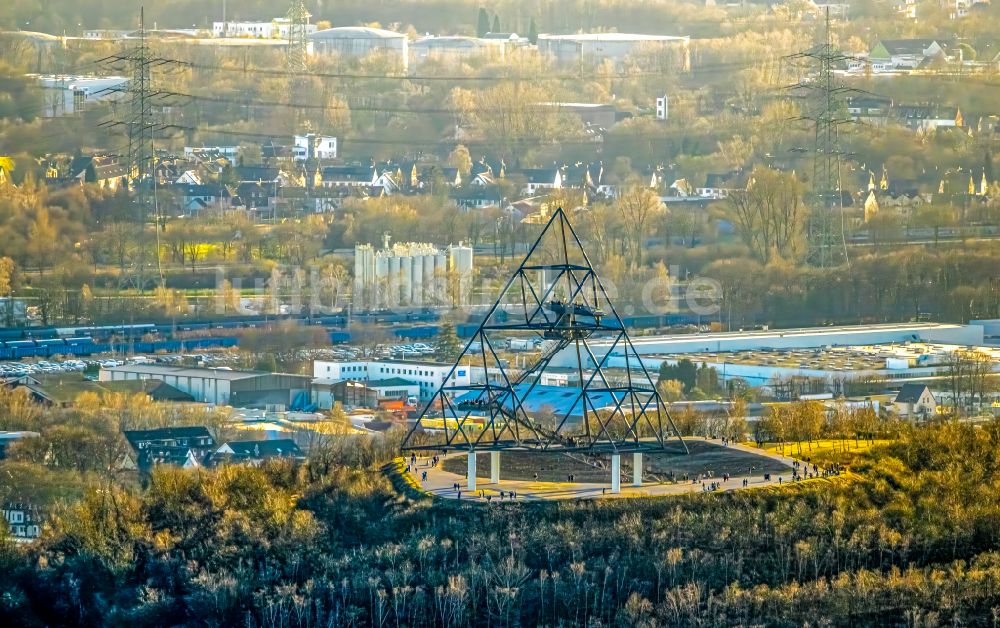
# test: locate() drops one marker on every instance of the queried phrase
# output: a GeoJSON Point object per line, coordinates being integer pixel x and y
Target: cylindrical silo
{"type": "Point", "coordinates": [441, 277]}
{"type": "Point", "coordinates": [406, 279]}
{"type": "Point", "coordinates": [381, 278]}
{"type": "Point", "coordinates": [417, 280]}
{"type": "Point", "coordinates": [393, 299]}
{"type": "Point", "coordinates": [428, 281]}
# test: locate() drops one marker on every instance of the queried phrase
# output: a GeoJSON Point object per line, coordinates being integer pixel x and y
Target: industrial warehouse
{"type": "Point", "coordinates": [219, 386]}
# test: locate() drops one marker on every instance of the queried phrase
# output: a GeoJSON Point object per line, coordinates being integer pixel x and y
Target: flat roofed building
{"type": "Point", "coordinates": [218, 386]}
{"type": "Point", "coordinates": [838, 368]}
{"type": "Point", "coordinates": [278, 28]}
{"type": "Point", "coordinates": [427, 376]}
{"type": "Point", "coordinates": [64, 95]}
{"type": "Point", "coordinates": [595, 48]}
{"type": "Point", "coordinates": [455, 48]}
{"type": "Point", "coordinates": [801, 338]}
{"type": "Point", "coordinates": [361, 41]}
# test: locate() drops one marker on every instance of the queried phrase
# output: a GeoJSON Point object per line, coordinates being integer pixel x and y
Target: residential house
{"type": "Point", "coordinates": [477, 196]}
{"type": "Point", "coordinates": [318, 200]}
{"type": "Point", "coordinates": [255, 452]}
{"type": "Point", "coordinates": [106, 171]}
{"type": "Point", "coordinates": [264, 174]}
{"type": "Point", "coordinates": [194, 199]}
{"type": "Point", "coordinates": [312, 146]}
{"type": "Point", "coordinates": [720, 185]}
{"type": "Point", "coordinates": [915, 401]}
{"type": "Point", "coordinates": [349, 176]}
{"type": "Point", "coordinates": [189, 177]}
{"type": "Point", "coordinates": [958, 9]}
{"type": "Point", "coordinates": [904, 54]}
{"type": "Point", "coordinates": [870, 110]}
{"type": "Point", "coordinates": [485, 173]}
{"type": "Point", "coordinates": [928, 117]}
{"type": "Point", "coordinates": [185, 447]}
{"type": "Point", "coordinates": [256, 199]}
{"type": "Point", "coordinates": [588, 177]}
{"type": "Point", "coordinates": [428, 175]}
{"type": "Point", "coordinates": [540, 179]}
{"type": "Point", "coordinates": [388, 181]}
{"type": "Point", "coordinates": [24, 521]}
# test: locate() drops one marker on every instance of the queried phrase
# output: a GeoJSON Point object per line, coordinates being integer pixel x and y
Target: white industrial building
{"type": "Point", "coordinates": [70, 95]}
{"type": "Point", "coordinates": [903, 352]}
{"type": "Point", "coordinates": [411, 273]}
{"type": "Point", "coordinates": [361, 41]}
{"type": "Point", "coordinates": [595, 48]}
{"type": "Point", "coordinates": [455, 48]}
{"type": "Point", "coordinates": [892, 362]}
{"type": "Point", "coordinates": [428, 377]}
{"type": "Point", "coordinates": [803, 338]}
{"type": "Point", "coordinates": [278, 28]}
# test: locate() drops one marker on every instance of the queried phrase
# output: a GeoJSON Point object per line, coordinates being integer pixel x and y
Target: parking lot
{"type": "Point", "coordinates": [9, 369]}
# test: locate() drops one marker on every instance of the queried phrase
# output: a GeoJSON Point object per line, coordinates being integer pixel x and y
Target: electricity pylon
{"type": "Point", "coordinates": [140, 122]}
{"type": "Point", "coordinates": [824, 109]}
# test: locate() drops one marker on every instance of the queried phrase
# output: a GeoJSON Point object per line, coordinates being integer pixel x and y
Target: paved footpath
{"type": "Point", "coordinates": [441, 483]}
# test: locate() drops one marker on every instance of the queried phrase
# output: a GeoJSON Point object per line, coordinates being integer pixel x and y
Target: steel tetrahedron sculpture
{"type": "Point", "coordinates": [554, 300]}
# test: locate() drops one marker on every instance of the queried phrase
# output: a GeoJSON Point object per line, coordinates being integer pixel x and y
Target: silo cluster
{"type": "Point", "coordinates": [411, 274]}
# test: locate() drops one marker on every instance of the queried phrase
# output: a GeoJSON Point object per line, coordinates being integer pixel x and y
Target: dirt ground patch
{"type": "Point", "coordinates": [555, 467]}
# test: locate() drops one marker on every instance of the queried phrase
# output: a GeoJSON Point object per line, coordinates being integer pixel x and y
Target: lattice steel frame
{"type": "Point", "coordinates": [634, 420]}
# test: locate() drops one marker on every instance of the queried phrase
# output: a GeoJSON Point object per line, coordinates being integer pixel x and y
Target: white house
{"type": "Point", "coordinates": [537, 179]}
{"type": "Point", "coordinates": [322, 147]}
{"type": "Point", "coordinates": [904, 54]}
{"type": "Point", "coordinates": [23, 521]}
{"type": "Point", "coordinates": [915, 401]}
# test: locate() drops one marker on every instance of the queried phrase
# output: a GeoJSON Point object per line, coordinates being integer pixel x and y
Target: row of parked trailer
{"type": "Point", "coordinates": [86, 346]}
{"type": "Point", "coordinates": [243, 322]}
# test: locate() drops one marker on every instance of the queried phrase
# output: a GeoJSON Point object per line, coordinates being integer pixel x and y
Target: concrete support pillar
{"type": "Point", "coordinates": [616, 473]}
{"type": "Point", "coordinates": [637, 469]}
{"type": "Point", "coordinates": [472, 471]}
{"type": "Point", "coordinates": [494, 467]}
